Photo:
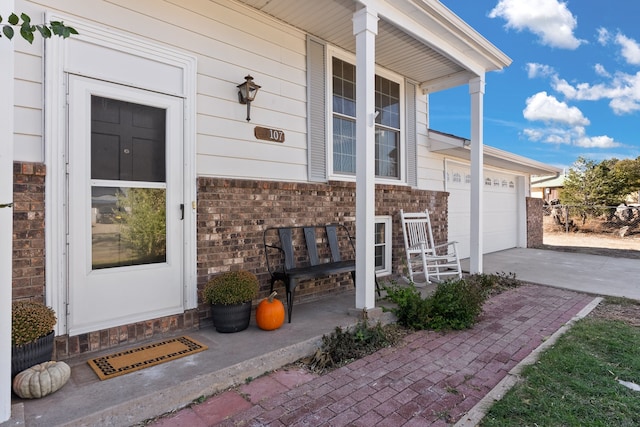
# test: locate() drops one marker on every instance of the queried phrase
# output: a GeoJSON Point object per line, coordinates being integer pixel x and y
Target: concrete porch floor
{"type": "Point", "coordinates": [229, 360]}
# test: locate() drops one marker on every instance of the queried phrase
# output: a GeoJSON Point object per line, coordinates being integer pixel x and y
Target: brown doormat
{"type": "Point", "coordinates": [142, 357]}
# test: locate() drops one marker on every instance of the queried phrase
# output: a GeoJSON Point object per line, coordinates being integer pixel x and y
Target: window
{"type": "Point", "coordinates": [387, 139]}
{"type": "Point", "coordinates": [382, 243]}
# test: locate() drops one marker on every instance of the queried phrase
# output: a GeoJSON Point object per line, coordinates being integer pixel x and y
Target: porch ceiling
{"type": "Point", "coordinates": [419, 39]}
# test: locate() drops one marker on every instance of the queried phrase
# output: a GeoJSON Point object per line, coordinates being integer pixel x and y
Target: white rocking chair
{"type": "Point", "coordinates": [437, 262]}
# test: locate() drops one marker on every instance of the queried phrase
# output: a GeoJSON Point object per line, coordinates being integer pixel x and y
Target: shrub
{"type": "Point", "coordinates": [232, 287]}
{"type": "Point", "coordinates": [456, 304]}
{"type": "Point", "coordinates": [492, 284]}
{"type": "Point", "coordinates": [411, 310]}
{"type": "Point", "coordinates": [30, 320]}
{"type": "Point", "coordinates": [343, 346]}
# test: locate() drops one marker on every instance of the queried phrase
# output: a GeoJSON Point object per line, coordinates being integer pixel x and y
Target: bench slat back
{"type": "Point", "coordinates": [332, 236]}
{"type": "Point", "coordinates": [312, 247]}
{"type": "Point", "coordinates": [286, 240]}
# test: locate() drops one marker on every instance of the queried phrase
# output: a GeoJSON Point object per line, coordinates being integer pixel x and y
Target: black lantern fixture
{"type": "Point", "coordinates": [247, 92]}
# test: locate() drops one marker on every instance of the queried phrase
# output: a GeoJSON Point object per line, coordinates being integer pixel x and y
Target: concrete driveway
{"type": "Point", "coordinates": [594, 274]}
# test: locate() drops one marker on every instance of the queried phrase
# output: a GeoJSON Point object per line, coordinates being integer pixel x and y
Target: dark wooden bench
{"type": "Point", "coordinates": [307, 252]}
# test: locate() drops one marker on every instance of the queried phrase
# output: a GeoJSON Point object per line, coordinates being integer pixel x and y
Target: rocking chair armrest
{"type": "Point", "coordinates": [442, 245]}
{"type": "Point", "coordinates": [420, 245]}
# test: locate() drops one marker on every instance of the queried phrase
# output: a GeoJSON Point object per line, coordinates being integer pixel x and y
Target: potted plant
{"type": "Point", "coordinates": [31, 334]}
{"type": "Point", "coordinates": [230, 295]}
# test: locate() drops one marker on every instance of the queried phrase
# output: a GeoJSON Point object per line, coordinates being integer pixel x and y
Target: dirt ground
{"type": "Point", "coordinates": [627, 311]}
{"type": "Point", "coordinates": [591, 243]}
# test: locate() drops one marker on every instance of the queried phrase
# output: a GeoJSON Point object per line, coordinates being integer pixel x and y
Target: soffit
{"type": "Point", "coordinates": [420, 39]}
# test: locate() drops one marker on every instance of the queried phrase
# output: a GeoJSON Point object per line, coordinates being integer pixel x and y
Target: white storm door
{"type": "Point", "coordinates": [124, 205]}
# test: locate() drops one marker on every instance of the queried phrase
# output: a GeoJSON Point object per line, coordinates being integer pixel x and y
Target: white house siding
{"type": "Point", "coordinates": [229, 41]}
{"type": "Point", "coordinates": [430, 164]}
{"type": "Point", "coordinates": [28, 119]}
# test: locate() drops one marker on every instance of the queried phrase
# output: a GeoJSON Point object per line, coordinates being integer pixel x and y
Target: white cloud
{"type": "Point", "coordinates": [603, 36]}
{"type": "Point", "coordinates": [630, 49]}
{"type": "Point", "coordinates": [564, 124]}
{"type": "Point", "coordinates": [570, 136]}
{"type": "Point", "coordinates": [601, 71]}
{"type": "Point", "coordinates": [539, 70]}
{"type": "Point", "coordinates": [546, 108]}
{"type": "Point", "coordinates": [603, 141]}
{"type": "Point", "coordinates": [550, 20]}
{"type": "Point", "coordinates": [623, 91]}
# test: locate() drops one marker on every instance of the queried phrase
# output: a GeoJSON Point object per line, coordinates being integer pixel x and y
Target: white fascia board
{"type": "Point", "coordinates": [459, 79]}
{"type": "Point", "coordinates": [458, 147]}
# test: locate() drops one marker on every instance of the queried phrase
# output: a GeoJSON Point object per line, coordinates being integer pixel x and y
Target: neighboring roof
{"type": "Point", "coordinates": [548, 181]}
{"type": "Point", "coordinates": [460, 147]}
{"type": "Point", "coordinates": [420, 39]}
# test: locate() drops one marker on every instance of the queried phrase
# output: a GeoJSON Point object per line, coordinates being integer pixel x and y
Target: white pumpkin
{"type": "Point", "coordinates": [41, 380]}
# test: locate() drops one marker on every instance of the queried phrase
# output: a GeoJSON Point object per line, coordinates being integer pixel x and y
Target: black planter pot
{"type": "Point", "coordinates": [231, 318]}
{"type": "Point", "coordinates": [30, 354]}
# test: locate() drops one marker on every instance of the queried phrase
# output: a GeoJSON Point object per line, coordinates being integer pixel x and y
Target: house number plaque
{"type": "Point", "coordinates": [268, 134]}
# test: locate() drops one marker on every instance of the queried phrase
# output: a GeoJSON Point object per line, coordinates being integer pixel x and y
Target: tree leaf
{"type": "Point", "coordinates": [7, 30]}
{"type": "Point", "coordinates": [13, 19]}
{"type": "Point", "coordinates": [26, 33]}
{"type": "Point", "coordinates": [45, 32]}
{"type": "Point", "coordinates": [25, 18]}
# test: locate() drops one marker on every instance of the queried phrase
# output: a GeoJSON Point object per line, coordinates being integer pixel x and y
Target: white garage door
{"type": "Point", "coordinates": [501, 217]}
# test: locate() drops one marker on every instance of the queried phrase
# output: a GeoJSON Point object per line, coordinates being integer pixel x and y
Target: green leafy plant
{"type": "Point", "coordinates": [232, 287]}
{"type": "Point", "coordinates": [411, 310]}
{"type": "Point", "coordinates": [455, 304]}
{"type": "Point", "coordinates": [28, 30]}
{"type": "Point", "coordinates": [30, 320]}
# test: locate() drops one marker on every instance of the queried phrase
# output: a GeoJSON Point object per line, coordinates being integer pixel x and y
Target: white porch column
{"type": "Point", "coordinates": [476, 89]}
{"type": "Point", "coordinates": [6, 214]}
{"type": "Point", "coordinates": [365, 28]}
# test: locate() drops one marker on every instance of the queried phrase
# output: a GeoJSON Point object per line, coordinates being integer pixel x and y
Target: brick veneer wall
{"type": "Point", "coordinates": [534, 222]}
{"type": "Point", "coordinates": [232, 215]}
{"type": "Point", "coordinates": [28, 231]}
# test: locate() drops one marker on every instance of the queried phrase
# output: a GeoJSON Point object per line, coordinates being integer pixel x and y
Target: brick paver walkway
{"type": "Point", "coordinates": [433, 379]}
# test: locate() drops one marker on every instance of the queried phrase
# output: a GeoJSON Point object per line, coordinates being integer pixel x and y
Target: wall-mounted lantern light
{"type": "Point", "coordinates": [247, 92]}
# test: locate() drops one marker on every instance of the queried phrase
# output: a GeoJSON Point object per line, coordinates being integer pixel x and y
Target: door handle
{"type": "Point", "coordinates": [181, 211]}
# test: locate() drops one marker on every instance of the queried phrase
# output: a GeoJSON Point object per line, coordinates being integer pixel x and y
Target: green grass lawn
{"type": "Point", "coordinates": [575, 383]}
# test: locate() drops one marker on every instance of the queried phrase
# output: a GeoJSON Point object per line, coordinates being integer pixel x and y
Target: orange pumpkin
{"type": "Point", "coordinates": [270, 313]}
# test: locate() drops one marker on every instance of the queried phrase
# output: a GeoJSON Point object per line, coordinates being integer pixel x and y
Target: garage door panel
{"type": "Point", "coordinates": [500, 209]}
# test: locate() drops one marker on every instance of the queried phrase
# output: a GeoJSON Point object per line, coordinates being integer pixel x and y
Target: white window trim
{"type": "Point", "coordinates": [396, 78]}
{"type": "Point", "coordinates": [55, 147]}
{"type": "Point", "coordinates": [387, 220]}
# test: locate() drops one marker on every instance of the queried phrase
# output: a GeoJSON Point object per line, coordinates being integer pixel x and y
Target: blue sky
{"type": "Point", "coordinates": [573, 88]}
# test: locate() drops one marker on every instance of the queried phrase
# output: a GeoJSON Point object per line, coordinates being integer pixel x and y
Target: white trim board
{"type": "Point", "coordinates": [60, 61]}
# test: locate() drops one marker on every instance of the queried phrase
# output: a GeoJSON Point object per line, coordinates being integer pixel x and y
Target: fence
{"type": "Point", "coordinates": [622, 220]}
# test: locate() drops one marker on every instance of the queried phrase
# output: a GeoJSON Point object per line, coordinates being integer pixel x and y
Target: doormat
{"type": "Point", "coordinates": [124, 362]}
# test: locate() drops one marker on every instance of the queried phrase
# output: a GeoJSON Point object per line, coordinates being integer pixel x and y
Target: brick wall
{"type": "Point", "coordinates": [28, 231]}
{"type": "Point", "coordinates": [232, 215]}
{"type": "Point", "coordinates": [534, 222]}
